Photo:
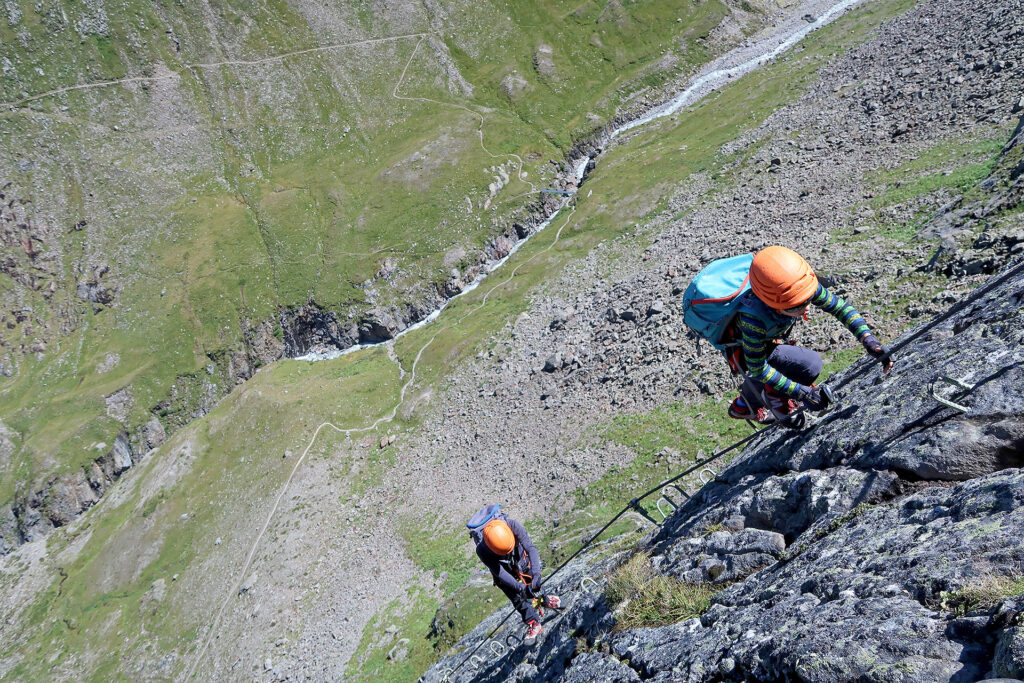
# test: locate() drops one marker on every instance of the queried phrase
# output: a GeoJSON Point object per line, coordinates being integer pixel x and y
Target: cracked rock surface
{"type": "Point", "coordinates": [842, 543]}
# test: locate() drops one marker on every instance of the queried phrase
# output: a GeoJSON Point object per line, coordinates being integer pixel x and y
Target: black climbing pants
{"type": "Point", "coordinates": [798, 363]}
{"type": "Point", "coordinates": [522, 603]}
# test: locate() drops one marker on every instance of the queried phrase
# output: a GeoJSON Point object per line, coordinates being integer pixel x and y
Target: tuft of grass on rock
{"type": "Point", "coordinates": [986, 593]}
{"type": "Point", "coordinates": [644, 598]}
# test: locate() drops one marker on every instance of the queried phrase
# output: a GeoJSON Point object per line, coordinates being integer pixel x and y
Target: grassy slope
{"type": "Point", "coordinates": [83, 604]}
{"type": "Point", "coordinates": [217, 472]}
{"type": "Point", "coordinates": [633, 181]}
{"type": "Point", "coordinates": [220, 195]}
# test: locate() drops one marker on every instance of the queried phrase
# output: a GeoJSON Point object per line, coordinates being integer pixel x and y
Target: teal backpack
{"type": "Point", "coordinates": [711, 299]}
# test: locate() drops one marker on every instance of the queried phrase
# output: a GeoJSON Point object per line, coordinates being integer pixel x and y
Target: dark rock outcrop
{"type": "Point", "coordinates": [848, 542]}
{"type": "Point", "coordinates": [65, 497]}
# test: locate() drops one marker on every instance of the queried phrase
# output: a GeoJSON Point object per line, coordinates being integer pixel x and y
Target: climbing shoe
{"type": "Point", "coordinates": [739, 410]}
{"type": "Point", "coordinates": [796, 421]}
{"type": "Point", "coordinates": [533, 629]}
{"type": "Point", "coordinates": [552, 602]}
{"type": "Point", "coordinates": [782, 407]}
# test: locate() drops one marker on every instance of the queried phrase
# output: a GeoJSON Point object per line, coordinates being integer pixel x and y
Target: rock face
{"type": "Point", "coordinates": [845, 544]}
{"type": "Point", "coordinates": [63, 498]}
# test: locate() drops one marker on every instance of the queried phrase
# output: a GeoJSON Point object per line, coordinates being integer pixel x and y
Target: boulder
{"type": "Point", "coordinates": [9, 537]}
{"type": "Point", "coordinates": [69, 497]}
{"type": "Point", "coordinates": [154, 433]}
{"type": "Point", "coordinates": [560, 318]}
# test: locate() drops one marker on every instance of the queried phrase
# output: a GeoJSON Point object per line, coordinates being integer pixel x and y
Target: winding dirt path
{"type": "Point", "coordinates": [480, 129]}
{"type": "Point", "coordinates": [14, 104]}
{"type": "Point", "coordinates": [707, 80]}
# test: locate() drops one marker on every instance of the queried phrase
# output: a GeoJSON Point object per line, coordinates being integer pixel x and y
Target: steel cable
{"type": "Point", "coordinates": [634, 504]}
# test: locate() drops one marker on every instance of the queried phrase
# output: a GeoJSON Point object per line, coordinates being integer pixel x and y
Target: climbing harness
{"type": "Point", "coordinates": [589, 585]}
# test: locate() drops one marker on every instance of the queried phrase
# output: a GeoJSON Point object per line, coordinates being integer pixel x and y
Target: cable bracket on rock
{"type": "Point", "coordinates": [965, 389]}
{"type": "Point", "coordinates": [664, 497]}
{"type": "Point", "coordinates": [664, 515]}
{"type": "Point", "coordinates": [639, 509]}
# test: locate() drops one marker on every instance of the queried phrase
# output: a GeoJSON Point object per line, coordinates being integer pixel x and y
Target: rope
{"type": "Point", "coordinates": [632, 505]}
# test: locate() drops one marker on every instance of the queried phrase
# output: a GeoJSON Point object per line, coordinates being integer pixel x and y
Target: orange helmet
{"type": "Point", "coordinates": [781, 278]}
{"type": "Point", "coordinates": [499, 537]}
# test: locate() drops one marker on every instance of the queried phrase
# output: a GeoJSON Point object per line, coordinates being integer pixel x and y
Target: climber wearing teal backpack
{"type": "Point", "coordinates": [746, 307]}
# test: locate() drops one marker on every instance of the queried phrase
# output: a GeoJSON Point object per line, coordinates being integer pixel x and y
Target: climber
{"type": "Point", "coordinates": [779, 375]}
{"type": "Point", "coordinates": [503, 545]}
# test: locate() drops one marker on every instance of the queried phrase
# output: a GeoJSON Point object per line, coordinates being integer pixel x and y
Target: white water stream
{"type": "Point", "coordinates": [695, 90]}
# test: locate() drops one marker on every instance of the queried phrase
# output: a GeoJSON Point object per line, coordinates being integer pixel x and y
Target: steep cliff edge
{"type": "Point", "coordinates": [881, 544]}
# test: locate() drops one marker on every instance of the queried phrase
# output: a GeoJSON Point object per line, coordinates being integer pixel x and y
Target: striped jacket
{"type": "Point", "coordinates": [758, 324]}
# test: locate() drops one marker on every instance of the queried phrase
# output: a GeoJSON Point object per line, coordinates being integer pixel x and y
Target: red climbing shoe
{"type": "Point", "coordinates": [741, 411]}
{"type": "Point", "coordinates": [533, 629]}
{"type": "Point", "coordinates": [782, 406]}
{"type": "Point", "coordinates": [552, 601]}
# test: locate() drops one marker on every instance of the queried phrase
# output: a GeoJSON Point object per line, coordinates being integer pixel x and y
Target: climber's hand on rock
{"type": "Point", "coordinates": [875, 348]}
